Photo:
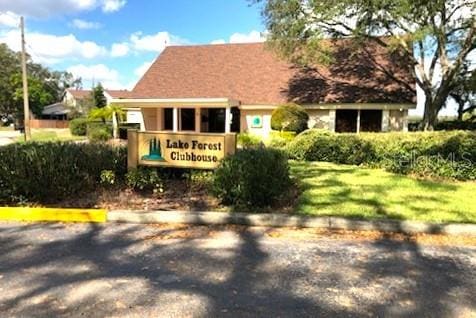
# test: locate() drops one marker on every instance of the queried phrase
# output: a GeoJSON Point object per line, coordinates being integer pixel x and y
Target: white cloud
{"type": "Point", "coordinates": [219, 41]}
{"type": "Point", "coordinates": [43, 8]}
{"type": "Point", "coordinates": [9, 19]}
{"type": "Point", "coordinates": [85, 25]}
{"type": "Point", "coordinates": [50, 49]}
{"type": "Point", "coordinates": [119, 49]}
{"type": "Point", "coordinates": [253, 36]}
{"type": "Point", "coordinates": [154, 42]}
{"type": "Point", "coordinates": [143, 68]}
{"type": "Point", "coordinates": [112, 5]}
{"type": "Point", "coordinates": [108, 77]}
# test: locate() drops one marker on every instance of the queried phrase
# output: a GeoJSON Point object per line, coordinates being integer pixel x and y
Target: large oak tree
{"type": "Point", "coordinates": [435, 35]}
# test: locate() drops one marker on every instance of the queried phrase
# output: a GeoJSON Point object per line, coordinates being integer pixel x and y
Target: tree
{"type": "Point", "coordinates": [44, 86]}
{"type": "Point", "coordinates": [99, 98]}
{"type": "Point", "coordinates": [435, 35]}
{"type": "Point", "coordinates": [464, 92]}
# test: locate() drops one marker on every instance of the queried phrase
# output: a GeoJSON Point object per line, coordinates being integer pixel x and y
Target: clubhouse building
{"type": "Point", "coordinates": [235, 87]}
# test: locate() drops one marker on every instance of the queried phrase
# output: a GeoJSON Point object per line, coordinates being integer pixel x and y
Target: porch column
{"type": "Point", "coordinates": [385, 120]}
{"type": "Point", "coordinates": [227, 119]}
{"type": "Point", "coordinates": [115, 131]}
{"type": "Point", "coordinates": [175, 119]}
{"type": "Point", "coordinates": [405, 120]}
{"type": "Point", "coordinates": [198, 119]}
{"type": "Point", "coordinates": [358, 121]}
{"type": "Point", "coordinates": [332, 120]}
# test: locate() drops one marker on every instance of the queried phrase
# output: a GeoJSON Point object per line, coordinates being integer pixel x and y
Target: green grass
{"type": "Point", "coordinates": [51, 135]}
{"type": "Point", "coordinates": [6, 128]}
{"type": "Point", "coordinates": [354, 192]}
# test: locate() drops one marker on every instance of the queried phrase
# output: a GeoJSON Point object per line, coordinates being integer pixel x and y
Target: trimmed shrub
{"type": "Point", "coordinates": [289, 117]}
{"type": "Point", "coordinates": [78, 126]}
{"type": "Point", "coordinates": [99, 131]}
{"type": "Point", "coordinates": [254, 177]}
{"type": "Point", "coordinates": [280, 139]}
{"type": "Point", "coordinates": [246, 140]}
{"type": "Point", "coordinates": [52, 171]}
{"type": "Point", "coordinates": [436, 154]}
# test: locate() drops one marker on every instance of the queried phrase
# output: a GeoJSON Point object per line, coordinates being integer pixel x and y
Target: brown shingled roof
{"type": "Point", "coordinates": [253, 74]}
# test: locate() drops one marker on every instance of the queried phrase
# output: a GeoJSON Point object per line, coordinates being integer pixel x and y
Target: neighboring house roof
{"type": "Point", "coordinates": [118, 93]}
{"type": "Point", "coordinates": [79, 93]}
{"type": "Point", "coordinates": [114, 93]}
{"type": "Point", "coordinates": [253, 74]}
{"type": "Point", "coordinates": [55, 109]}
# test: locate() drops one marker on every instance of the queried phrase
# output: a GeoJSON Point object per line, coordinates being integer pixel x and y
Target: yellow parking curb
{"type": "Point", "coordinates": [52, 214]}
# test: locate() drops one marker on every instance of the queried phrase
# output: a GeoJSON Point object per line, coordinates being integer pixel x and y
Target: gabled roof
{"type": "Point", "coordinates": [253, 74]}
{"type": "Point", "coordinates": [79, 93]}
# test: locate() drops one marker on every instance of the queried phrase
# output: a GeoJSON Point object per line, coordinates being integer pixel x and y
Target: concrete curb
{"type": "Point", "coordinates": [281, 220]}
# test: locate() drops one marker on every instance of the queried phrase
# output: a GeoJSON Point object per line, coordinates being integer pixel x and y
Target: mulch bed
{"type": "Point", "coordinates": [178, 195]}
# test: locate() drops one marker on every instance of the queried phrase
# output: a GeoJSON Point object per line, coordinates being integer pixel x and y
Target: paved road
{"type": "Point", "coordinates": [115, 270]}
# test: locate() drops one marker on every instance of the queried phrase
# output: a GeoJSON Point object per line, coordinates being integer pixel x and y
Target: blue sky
{"type": "Point", "coordinates": [114, 41]}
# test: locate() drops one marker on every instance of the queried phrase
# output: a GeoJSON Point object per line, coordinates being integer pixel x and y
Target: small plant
{"type": "Point", "coordinates": [144, 179]}
{"type": "Point", "coordinates": [289, 117]}
{"type": "Point", "coordinates": [108, 177]}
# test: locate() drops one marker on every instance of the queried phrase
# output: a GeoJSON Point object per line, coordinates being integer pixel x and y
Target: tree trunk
{"type": "Point", "coordinates": [430, 115]}
{"type": "Point", "coordinates": [460, 110]}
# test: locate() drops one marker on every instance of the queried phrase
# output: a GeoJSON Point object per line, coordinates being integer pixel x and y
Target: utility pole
{"type": "Point", "coordinates": [26, 106]}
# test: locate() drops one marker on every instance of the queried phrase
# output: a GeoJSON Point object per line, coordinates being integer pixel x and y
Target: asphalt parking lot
{"type": "Point", "coordinates": [83, 270]}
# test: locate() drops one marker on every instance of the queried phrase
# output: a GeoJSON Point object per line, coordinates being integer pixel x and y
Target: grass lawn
{"type": "Point", "coordinates": [51, 135]}
{"type": "Point", "coordinates": [351, 191]}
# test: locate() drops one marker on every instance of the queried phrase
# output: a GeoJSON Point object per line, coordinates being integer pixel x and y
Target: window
{"type": "Point", "coordinates": [346, 120]}
{"type": "Point", "coordinates": [187, 118]}
{"type": "Point", "coordinates": [371, 120]}
{"type": "Point", "coordinates": [168, 119]}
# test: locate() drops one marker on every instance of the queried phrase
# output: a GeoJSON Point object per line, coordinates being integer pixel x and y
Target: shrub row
{"type": "Point", "coordinates": [52, 171]}
{"type": "Point", "coordinates": [439, 154]}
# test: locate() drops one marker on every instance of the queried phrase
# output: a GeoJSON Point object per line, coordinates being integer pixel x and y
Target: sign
{"type": "Point", "coordinates": [181, 150]}
{"type": "Point", "coordinates": [257, 121]}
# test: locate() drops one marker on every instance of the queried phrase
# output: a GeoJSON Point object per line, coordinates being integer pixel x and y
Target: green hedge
{"type": "Point", "coordinates": [254, 177]}
{"type": "Point", "coordinates": [438, 154]}
{"type": "Point", "coordinates": [52, 171]}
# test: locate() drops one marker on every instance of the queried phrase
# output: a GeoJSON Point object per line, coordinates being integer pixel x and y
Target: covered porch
{"type": "Point", "coordinates": [209, 115]}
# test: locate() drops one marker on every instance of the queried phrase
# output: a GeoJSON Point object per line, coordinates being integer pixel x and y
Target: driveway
{"type": "Point", "coordinates": [8, 137]}
{"type": "Point", "coordinates": [120, 270]}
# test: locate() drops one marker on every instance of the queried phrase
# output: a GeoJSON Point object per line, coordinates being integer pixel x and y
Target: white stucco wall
{"type": "Point", "coordinates": [247, 119]}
